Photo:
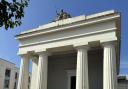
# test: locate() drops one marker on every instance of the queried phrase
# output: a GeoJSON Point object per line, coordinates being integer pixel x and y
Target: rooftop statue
{"type": "Point", "coordinates": [62, 15]}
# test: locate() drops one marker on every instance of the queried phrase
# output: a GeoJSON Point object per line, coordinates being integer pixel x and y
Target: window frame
{"type": "Point", "coordinates": [70, 73]}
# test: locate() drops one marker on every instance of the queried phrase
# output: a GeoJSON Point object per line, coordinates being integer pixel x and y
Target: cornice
{"type": "Point", "coordinates": [69, 37]}
{"type": "Point", "coordinates": [89, 21]}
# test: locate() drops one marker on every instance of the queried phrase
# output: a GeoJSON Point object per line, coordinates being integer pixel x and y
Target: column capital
{"type": "Point", "coordinates": [108, 44]}
{"type": "Point", "coordinates": [34, 57]}
{"type": "Point", "coordinates": [43, 53]}
{"type": "Point", "coordinates": [82, 47]}
{"type": "Point", "coordinates": [25, 56]}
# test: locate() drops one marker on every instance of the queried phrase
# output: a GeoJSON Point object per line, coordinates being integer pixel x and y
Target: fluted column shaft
{"type": "Point", "coordinates": [110, 74]}
{"type": "Point", "coordinates": [42, 71]}
{"type": "Point", "coordinates": [24, 73]}
{"type": "Point", "coordinates": [34, 72]}
{"type": "Point", "coordinates": [82, 81]}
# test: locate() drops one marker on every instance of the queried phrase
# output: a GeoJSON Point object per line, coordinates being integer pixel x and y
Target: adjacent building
{"type": "Point", "coordinates": [81, 52]}
{"type": "Point", "coordinates": [9, 74]}
{"type": "Point", "coordinates": [123, 82]}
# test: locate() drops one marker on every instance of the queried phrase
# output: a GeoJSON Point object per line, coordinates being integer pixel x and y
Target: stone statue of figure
{"type": "Point", "coordinates": [62, 15]}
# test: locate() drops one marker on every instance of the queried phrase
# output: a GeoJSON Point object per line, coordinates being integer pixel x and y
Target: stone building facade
{"type": "Point", "coordinates": [9, 74]}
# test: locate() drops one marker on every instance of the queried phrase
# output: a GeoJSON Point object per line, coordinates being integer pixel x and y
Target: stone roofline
{"type": "Point", "coordinates": [68, 21]}
{"type": "Point", "coordinates": [1, 59]}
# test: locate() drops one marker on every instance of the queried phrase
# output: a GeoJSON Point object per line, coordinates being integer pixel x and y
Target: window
{"type": "Point", "coordinates": [29, 79]}
{"type": "Point", "coordinates": [7, 73]}
{"type": "Point", "coordinates": [71, 79]}
{"type": "Point", "coordinates": [15, 85]}
{"type": "Point", "coordinates": [7, 78]}
{"type": "Point", "coordinates": [16, 75]}
{"type": "Point", "coordinates": [6, 84]}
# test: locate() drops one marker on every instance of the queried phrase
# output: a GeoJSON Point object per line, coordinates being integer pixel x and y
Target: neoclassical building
{"type": "Point", "coordinates": [81, 52]}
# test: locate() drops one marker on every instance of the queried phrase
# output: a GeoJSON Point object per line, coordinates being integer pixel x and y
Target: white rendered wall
{"type": "Point", "coordinates": [57, 70]}
{"type": "Point", "coordinates": [95, 59]}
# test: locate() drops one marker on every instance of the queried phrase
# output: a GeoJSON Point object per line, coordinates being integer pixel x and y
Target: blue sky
{"type": "Point", "coordinates": [41, 12]}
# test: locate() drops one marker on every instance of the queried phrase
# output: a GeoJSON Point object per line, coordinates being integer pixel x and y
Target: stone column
{"type": "Point", "coordinates": [42, 71]}
{"type": "Point", "coordinates": [109, 67]}
{"type": "Point", "coordinates": [82, 80]}
{"type": "Point", "coordinates": [24, 73]}
{"type": "Point", "coordinates": [34, 71]}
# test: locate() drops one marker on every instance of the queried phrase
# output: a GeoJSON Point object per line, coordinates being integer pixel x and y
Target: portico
{"type": "Point", "coordinates": [85, 46]}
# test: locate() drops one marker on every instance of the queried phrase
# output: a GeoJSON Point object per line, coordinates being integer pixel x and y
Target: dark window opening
{"type": "Point", "coordinates": [73, 82]}
{"type": "Point", "coordinates": [7, 73]}
{"type": "Point", "coordinates": [6, 84]}
{"type": "Point", "coordinates": [16, 75]}
{"type": "Point", "coordinates": [15, 85]}
{"type": "Point", "coordinates": [29, 80]}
